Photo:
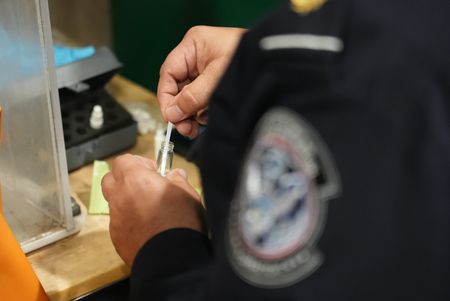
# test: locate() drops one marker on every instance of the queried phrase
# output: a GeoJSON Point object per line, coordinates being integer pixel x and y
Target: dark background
{"type": "Point", "coordinates": [145, 31]}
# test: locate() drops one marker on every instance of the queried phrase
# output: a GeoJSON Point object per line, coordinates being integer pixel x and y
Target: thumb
{"type": "Point", "coordinates": [177, 174]}
{"type": "Point", "coordinates": [178, 177]}
{"type": "Point", "coordinates": [192, 98]}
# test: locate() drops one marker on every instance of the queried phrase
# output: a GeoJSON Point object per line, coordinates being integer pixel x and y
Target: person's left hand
{"type": "Point", "coordinates": [142, 203]}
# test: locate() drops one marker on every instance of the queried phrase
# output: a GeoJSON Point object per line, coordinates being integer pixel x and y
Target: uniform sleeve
{"type": "Point", "coordinates": [171, 266]}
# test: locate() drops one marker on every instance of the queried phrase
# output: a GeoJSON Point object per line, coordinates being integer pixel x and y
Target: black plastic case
{"type": "Point", "coordinates": [81, 87]}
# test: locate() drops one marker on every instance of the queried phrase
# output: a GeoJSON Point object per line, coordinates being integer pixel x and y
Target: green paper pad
{"type": "Point", "coordinates": [98, 204]}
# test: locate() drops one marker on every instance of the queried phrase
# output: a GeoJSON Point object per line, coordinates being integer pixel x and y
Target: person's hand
{"type": "Point", "coordinates": [142, 203]}
{"type": "Point", "coordinates": [190, 73]}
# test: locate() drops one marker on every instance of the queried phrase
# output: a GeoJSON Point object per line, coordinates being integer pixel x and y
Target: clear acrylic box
{"type": "Point", "coordinates": [33, 169]}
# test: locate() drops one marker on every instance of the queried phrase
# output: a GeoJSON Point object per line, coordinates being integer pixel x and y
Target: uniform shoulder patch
{"type": "Point", "coordinates": [304, 7]}
{"type": "Point", "coordinates": [280, 204]}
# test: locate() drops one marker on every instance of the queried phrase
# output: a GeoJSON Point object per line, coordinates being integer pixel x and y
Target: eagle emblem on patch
{"type": "Point", "coordinates": [279, 208]}
{"type": "Point", "coordinates": [304, 7]}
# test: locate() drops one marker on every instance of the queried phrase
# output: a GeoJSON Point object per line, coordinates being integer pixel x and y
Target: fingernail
{"type": "Point", "coordinates": [182, 173]}
{"type": "Point", "coordinates": [174, 114]}
{"type": "Point", "coordinates": [185, 127]}
{"type": "Point", "coordinates": [202, 116]}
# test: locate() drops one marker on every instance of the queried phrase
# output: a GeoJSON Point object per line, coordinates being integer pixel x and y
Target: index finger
{"type": "Point", "coordinates": [173, 75]}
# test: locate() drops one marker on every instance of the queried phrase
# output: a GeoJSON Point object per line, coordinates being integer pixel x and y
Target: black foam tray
{"type": "Point", "coordinates": [84, 144]}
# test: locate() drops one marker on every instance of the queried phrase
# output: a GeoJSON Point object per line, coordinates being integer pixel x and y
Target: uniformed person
{"type": "Point", "coordinates": [325, 162]}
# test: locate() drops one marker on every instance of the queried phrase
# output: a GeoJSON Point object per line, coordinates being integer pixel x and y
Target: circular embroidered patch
{"type": "Point", "coordinates": [278, 210]}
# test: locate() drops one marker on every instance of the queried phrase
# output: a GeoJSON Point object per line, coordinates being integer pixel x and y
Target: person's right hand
{"type": "Point", "coordinates": [191, 72]}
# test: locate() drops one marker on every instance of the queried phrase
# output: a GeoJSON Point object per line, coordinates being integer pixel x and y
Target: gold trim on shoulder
{"type": "Point", "coordinates": [304, 7]}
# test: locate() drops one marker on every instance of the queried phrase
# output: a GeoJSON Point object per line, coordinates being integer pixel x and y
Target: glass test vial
{"type": "Point", "coordinates": [169, 160]}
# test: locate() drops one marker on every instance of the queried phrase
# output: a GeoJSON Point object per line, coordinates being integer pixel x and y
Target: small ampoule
{"type": "Point", "coordinates": [165, 164]}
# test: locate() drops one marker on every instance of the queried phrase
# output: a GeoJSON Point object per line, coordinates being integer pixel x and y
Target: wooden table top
{"type": "Point", "coordinates": [87, 261]}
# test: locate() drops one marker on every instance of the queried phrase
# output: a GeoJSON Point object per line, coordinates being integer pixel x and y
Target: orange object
{"type": "Point", "coordinates": [1, 128]}
{"type": "Point", "coordinates": [18, 282]}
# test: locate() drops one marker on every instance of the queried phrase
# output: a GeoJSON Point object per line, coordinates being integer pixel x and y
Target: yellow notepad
{"type": "Point", "coordinates": [97, 203]}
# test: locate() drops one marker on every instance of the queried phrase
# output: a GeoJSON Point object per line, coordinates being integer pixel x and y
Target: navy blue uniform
{"type": "Point", "coordinates": [325, 165]}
